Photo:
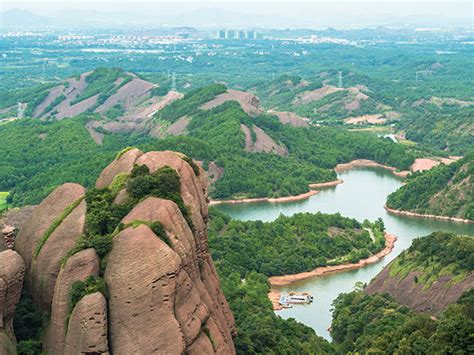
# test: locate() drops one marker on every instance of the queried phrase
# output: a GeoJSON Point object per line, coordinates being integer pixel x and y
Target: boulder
{"type": "Point", "coordinates": [87, 327]}
{"type": "Point", "coordinates": [45, 267]}
{"type": "Point", "coordinates": [77, 268]}
{"type": "Point", "coordinates": [12, 272]}
{"type": "Point", "coordinates": [42, 217]}
{"type": "Point", "coordinates": [121, 165]}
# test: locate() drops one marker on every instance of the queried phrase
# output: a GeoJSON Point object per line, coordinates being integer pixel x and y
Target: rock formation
{"type": "Point", "coordinates": [162, 294]}
{"type": "Point", "coordinates": [12, 271]}
{"type": "Point", "coordinates": [78, 267]}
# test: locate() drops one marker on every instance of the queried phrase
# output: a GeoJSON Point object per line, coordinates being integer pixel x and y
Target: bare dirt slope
{"type": "Point", "coordinates": [263, 142]}
{"type": "Point", "coordinates": [128, 95]}
{"type": "Point", "coordinates": [290, 118]}
{"type": "Point", "coordinates": [249, 102]}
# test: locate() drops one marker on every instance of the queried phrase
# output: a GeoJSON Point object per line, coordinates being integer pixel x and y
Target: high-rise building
{"type": "Point", "coordinates": [241, 34]}
{"type": "Point", "coordinates": [250, 34]}
{"type": "Point", "coordinates": [229, 34]}
{"type": "Point", "coordinates": [221, 34]}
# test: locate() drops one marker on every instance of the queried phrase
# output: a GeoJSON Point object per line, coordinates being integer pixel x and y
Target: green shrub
{"type": "Point", "coordinates": [80, 289]}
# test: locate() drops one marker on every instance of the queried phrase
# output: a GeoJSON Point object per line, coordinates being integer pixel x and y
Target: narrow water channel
{"type": "Point", "coordinates": [361, 196]}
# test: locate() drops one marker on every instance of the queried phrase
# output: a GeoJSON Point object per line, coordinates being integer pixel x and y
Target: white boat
{"type": "Point", "coordinates": [295, 298]}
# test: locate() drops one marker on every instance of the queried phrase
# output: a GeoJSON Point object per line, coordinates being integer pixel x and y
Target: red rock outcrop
{"type": "Point", "coordinates": [12, 272]}
{"type": "Point", "coordinates": [121, 165]}
{"type": "Point", "coordinates": [46, 265]}
{"type": "Point", "coordinates": [87, 327]}
{"type": "Point", "coordinates": [77, 268]}
{"type": "Point", "coordinates": [42, 218]}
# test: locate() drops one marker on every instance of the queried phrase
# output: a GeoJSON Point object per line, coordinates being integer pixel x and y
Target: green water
{"type": "Point", "coordinates": [361, 196]}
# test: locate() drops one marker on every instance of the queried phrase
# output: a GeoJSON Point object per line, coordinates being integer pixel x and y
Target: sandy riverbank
{"type": "Point", "coordinates": [314, 187]}
{"type": "Point", "coordinates": [284, 280]}
{"type": "Point", "coordinates": [266, 199]}
{"type": "Point", "coordinates": [369, 163]}
{"type": "Point", "coordinates": [432, 216]}
{"type": "Point", "coordinates": [321, 185]}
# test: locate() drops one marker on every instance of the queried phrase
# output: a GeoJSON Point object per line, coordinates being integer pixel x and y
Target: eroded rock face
{"type": "Point", "coordinates": [87, 327]}
{"type": "Point", "coordinates": [42, 217]}
{"type": "Point", "coordinates": [412, 294]}
{"type": "Point", "coordinates": [198, 297]}
{"type": "Point", "coordinates": [12, 272]}
{"type": "Point", "coordinates": [142, 292]}
{"type": "Point", "coordinates": [77, 268]}
{"type": "Point", "coordinates": [193, 190]}
{"type": "Point", "coordinates": [45, 267]}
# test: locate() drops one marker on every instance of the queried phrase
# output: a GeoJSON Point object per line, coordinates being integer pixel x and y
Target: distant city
{"type": "Point", "coordinates": [238, 34]}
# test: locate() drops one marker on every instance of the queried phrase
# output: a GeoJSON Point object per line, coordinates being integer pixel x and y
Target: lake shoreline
{"type": "Point", "coordinates": [286, 280]}
{"type": "Point", "coordinates": [322, 185]}
{"type": "Point", "coordinates": [362, 163]}
{"type": "Point", "coordinates": [430, 216]}
{"type": "Point", "coordinates": [266, 199]}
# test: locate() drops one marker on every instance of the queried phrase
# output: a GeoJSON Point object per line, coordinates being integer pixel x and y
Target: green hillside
{"type": "Point", "coordinates": [446, 190]}
{"type": "Point", "coordinates": [386, 317]}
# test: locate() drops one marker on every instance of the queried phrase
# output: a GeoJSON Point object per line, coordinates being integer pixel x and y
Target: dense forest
{"type": "Point", "coordinates": [446, 190]}
{"type": "Point", "coordinates": [289, 245]}
{"type": "Point", "coordinates": [37, 156]}
{"type": "Point", "coordinates": [379, 325]}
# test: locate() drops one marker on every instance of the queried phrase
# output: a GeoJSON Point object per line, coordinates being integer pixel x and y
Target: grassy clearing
{"type": "Point", "coordinates": [3, 200]}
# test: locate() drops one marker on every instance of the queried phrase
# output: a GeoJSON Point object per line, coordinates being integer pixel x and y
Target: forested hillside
{"type": "Point", "coordinates": [446, 190]}
{"type": "Point", "coordinates": [215, 135]}
{"type": "Point", "coordinates": [290, 245]}
{"type": "Point", "coordinates": [37, 156]}
{"type": "Point", "coordinates": [434, 277]}
{"type": "Point", "coordinates": [379, 325]}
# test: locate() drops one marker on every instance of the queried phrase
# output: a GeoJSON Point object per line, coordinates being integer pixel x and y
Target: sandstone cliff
{"type": "Point", "coordinates": [150, 287]}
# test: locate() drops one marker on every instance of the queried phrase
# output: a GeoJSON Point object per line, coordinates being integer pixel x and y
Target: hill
{"type": "Point", "coordinates": [433, 273]}
{"type": "Point", "coordinates": [434, 276]}
{"type": "Point", "coordinates": [446, 190]}
{"type": "Point", "coordinates": [444, 124]}
{"type": "Point", "coordinates": [322, 100]}
{"type": "Point", "coordinates": [210, 124]}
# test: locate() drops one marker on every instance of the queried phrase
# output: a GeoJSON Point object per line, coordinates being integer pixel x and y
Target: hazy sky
{"type": "Point", "coordinates": [316, 14]}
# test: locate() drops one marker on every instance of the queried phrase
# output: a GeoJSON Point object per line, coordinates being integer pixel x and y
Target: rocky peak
{"type": "Point", "coordinates": [144, 284]}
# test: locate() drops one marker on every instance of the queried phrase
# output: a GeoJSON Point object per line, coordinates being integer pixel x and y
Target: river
{"type": "Point", "coordinates": [361, 196]}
